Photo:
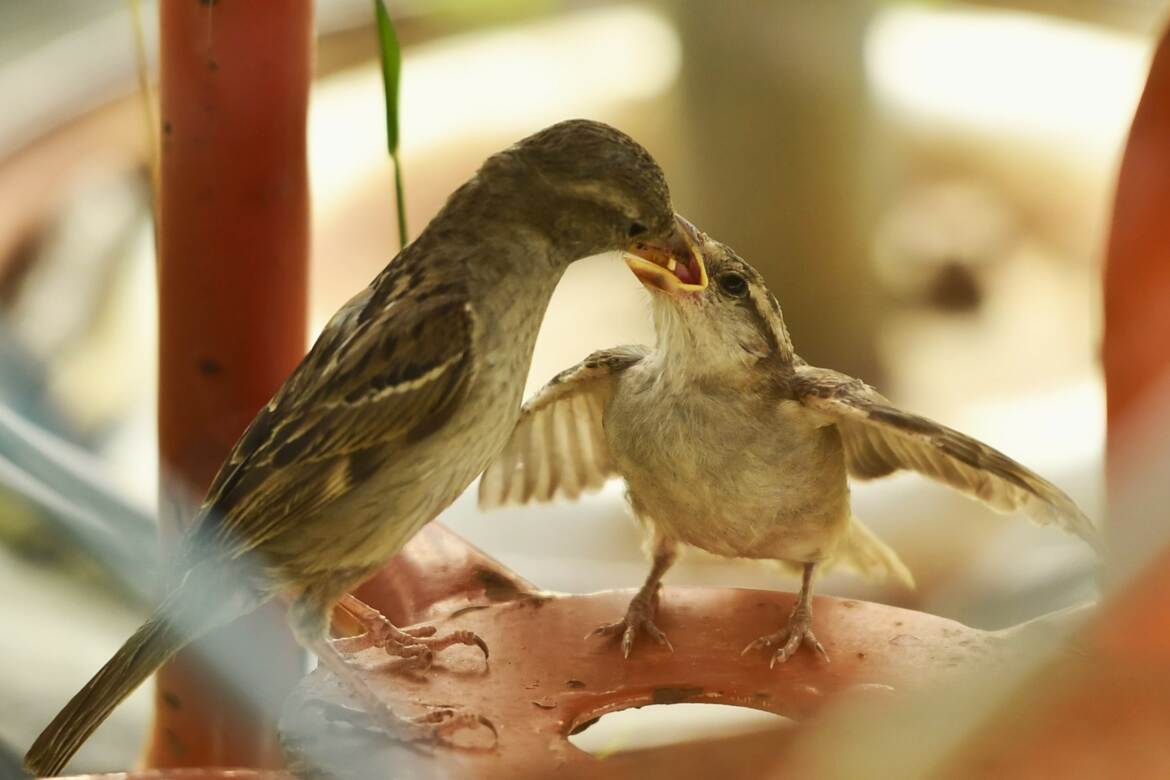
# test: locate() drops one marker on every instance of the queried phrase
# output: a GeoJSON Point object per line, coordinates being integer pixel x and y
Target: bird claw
{"type": "Point", "coordinates": [435, 727]}
{"type": "Point", "coordinates": [417, 645]}
{"type": "Point", "coordinates": [789, 639]}
{"type": "Point", "coordinates": [639, 617]}
{"type": "Point", "coordinates": [432, 644]}
{"type": "Point", "coordinates": [415, 656]}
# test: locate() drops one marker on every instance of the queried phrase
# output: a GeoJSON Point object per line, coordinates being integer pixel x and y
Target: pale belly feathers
{"type": "Point", "coordinates": [759, 479]}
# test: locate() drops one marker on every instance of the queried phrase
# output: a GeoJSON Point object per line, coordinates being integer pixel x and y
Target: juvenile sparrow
{"type": "Point", "coordinates": [729, 442]}
{"type": "Point", "coordinates": [411, 389]}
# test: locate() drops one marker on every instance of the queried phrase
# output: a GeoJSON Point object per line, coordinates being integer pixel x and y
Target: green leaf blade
{"type": "Point", "coordinates": [391, 72]}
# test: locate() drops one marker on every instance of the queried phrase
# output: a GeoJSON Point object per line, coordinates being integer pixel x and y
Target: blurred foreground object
{"type": "Point", "coordinates": [1137, 334]}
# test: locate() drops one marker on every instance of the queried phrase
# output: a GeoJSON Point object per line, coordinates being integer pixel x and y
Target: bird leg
{"type": "Point", "coordinates": [308, 619]}
{"type": "Point", "coordinates": [644, 606]}
{"type": "Point", "coordinates": [418, 644]}
{"type": "Point", "coordinates": [799, 629]}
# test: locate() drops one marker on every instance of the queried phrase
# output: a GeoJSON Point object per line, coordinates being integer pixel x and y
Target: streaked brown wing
{"type": "Point", "coordinates": [558, 446]}
{"type": "Point", "coordinates": [880, 438]}
{"type": "Point", "coordinates": [396, 375]}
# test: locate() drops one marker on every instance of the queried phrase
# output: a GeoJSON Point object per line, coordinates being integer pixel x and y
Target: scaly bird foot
{"type": "Point", "coordinates": [424, 646]}
{"type": "Point", "coordinates": [789, 639]}
{"type": "Point", "coordinates": [639, 617]}
{"type": "Point", "coordinates": [417, 644]}
{"type": "Point", "coordinates": [436, 727]}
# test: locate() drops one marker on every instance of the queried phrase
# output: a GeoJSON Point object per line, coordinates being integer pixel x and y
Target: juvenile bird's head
{"type": "Point", "coordinates": [720, 315]}
{"type": "Point", "coordinates": [587, 187]}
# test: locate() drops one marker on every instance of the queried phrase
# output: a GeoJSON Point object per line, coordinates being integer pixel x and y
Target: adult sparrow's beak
{"type": "Point", "coordinates": [673, 265]}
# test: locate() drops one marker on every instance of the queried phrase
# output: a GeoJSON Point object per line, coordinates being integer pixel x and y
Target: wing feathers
{"type": "Point", "coordinates": [558, 446]}
{"type": "Point", "coordinates": [394, 376]}
{"type": "Point", "coordinates": [559, 454]}
{"type": "Point", "coordinates": [880, 439]}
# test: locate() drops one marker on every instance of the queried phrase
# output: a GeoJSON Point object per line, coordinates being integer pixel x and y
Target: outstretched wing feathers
{"type": "Point", "coordinates": [880, 439]}
{"type": "Point", "coordinates": [558, 446]}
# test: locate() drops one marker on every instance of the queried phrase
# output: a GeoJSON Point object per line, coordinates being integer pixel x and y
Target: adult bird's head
{"type": "Point", "coordinates": [716, 312]}
{"type": "Point", "coordinates": [585, 188]}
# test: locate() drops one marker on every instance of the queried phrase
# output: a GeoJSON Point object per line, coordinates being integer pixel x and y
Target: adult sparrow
{"type": "Point", "coordinates": [728, 441]}
{"type": "Point", "coordinates": [408, 393]}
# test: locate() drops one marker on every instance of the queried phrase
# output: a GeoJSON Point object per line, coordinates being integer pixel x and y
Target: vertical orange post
{"type": "Point", "coordinates": [1137, 367]}
{"type": "Point", "coordinates": [234, 243]}
{"type": "Point", "coordinates": [1137, 271]}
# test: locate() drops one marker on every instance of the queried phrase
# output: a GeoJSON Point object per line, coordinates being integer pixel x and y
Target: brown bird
{"type": "Point", "coordinates": [728, 441]}
{"type": "Point", "coordinates": [411, 389]}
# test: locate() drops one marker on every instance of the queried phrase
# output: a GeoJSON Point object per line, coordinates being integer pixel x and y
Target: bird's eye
{"type": "Point", "coordinates": [733, 284]}
{"type": "Point", "coordinates": [636, 229]}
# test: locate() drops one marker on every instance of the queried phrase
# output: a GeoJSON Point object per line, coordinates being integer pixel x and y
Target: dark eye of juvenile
{"type": "Point", "coordinates": [637, 229]}
{"type": "Point", "coordinates": [733, 284]}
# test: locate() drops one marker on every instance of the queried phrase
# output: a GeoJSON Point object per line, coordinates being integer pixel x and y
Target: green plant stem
{"type": "Point", "coordinates": [399, 199]}
{"type": "Point", "coordinates": [391, 57]}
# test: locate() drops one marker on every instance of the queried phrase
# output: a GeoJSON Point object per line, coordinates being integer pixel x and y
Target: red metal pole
{"type": "Point", "coordinates": [234, 243]}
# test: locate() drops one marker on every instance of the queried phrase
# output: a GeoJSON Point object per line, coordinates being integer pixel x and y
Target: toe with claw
{"type": "Point", "coordinates": [639, 618]}
{"type": "Point", "coordinates": [789, 639]}
{"type": "Point", "coordinates": [435, 727]}
{"type": "Point", "coordinates": [424, 646]}
{"type": "Point", "coordinates": [439, 725]}
{"type": "Point", "coordinates": [417, 644]}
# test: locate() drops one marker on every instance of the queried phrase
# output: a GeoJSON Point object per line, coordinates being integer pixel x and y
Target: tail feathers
{"type": "Point", "coordinates": [150, 646]}
{"type": "Point", "coordinates": [868, 555]}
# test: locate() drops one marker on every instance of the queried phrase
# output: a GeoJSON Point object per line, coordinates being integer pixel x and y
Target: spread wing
{"type": "Point", "coordinates": [880, 439]}
{"type": "Point", "coordinates": [558, 445]}
{"type": "Point", "coordinates": [378, 376]}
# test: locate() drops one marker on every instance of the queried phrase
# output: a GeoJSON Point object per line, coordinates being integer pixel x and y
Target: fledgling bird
{"type": "Point", "coordinates": [411, 389]}
{"type": "Point", "coordinates": [728, 441]}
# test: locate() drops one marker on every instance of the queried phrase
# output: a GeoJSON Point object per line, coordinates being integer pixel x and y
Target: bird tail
{"type": "Point", "coordinates": [180, 619]}
{"type": "Point", "coordinates": [869, 556]}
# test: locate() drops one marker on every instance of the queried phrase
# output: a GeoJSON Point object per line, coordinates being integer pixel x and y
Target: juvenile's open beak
{"type": "Point", "coordinates": [674, 265]}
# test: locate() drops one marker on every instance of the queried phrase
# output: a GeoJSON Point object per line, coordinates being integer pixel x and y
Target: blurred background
{"type": "Point", "coordinates": [925, 186]}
